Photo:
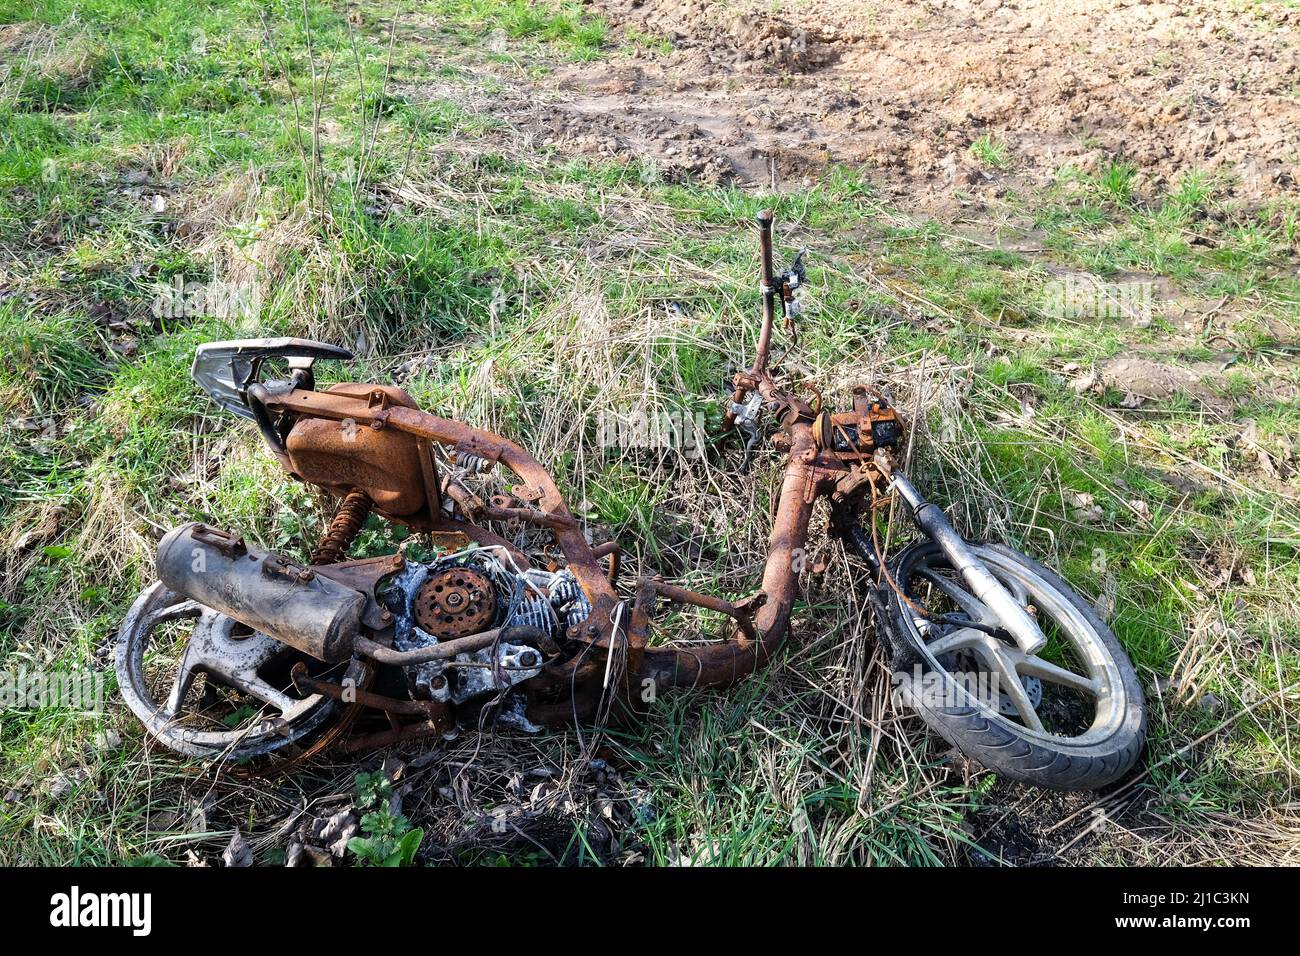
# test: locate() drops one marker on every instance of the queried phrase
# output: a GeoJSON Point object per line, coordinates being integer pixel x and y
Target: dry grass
{"type": "Point", "coordinates": [610, 291]}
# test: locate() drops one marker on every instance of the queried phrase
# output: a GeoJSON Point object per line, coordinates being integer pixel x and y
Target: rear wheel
{"type": "Point", "coordinates": [206, 686]}
{"type": "Point", "coordinates": [1070, 717]}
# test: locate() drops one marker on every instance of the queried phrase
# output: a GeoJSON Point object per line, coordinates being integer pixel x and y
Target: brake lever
{"type": "Point", "coordinates": [797, 268]}
{"type": "Point", "coordinates": [745, 419]}
{"type": "Point", "coordinates": [788, 283]}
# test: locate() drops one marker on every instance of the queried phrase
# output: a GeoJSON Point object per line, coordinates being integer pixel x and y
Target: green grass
{"type": "Point", "coordinates": [530, 294]}
{"type": "Point", "coordinates": [582, 36]}
{"type": "Point", "coordinates": [991, 152]}
{"type": "Point", "coordinates": [1212, 247]}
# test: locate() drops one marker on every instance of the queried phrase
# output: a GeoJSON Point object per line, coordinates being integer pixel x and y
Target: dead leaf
{"type": "Point", "coordinates": [338, 830]}
{"type": "Point", "coordinates": [43, 532]}
{"type": "Point", "coordinates": [237, 852]}
{"type": "Point", "coordinates": [1082, 507]}
{"type": "Point", "coordinates": [65, 781]}
{"type": "Point", "coordinates": [197, 817]}
{"type": "Point", "coordinates": [605, 807]}
{"type": "Point", "coordinates": [1250, 438]}
{"type": "Point", "coordinates": [392, 769]}
{"type": "Point", "coordinates": [319, 856]}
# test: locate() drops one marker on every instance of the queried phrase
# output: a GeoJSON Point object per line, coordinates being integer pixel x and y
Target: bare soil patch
{"type": "Point", "coordinates": [904, 88]}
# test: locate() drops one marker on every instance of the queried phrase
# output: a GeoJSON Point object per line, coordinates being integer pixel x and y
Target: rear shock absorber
{"type": "Point", "coordinates": [343, 530]}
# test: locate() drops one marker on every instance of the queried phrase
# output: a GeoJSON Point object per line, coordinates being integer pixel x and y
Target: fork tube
{"type": "Point", "coordinates": [767, 283]}
{"type": "Point", "coordinates": [930, 518]}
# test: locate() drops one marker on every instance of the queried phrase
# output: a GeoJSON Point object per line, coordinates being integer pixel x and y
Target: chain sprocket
{"type": "Point", "coordinates": [455, 603]}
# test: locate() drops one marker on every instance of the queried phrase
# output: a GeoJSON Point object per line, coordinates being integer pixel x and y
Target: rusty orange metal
{"type": "Point", "coordinates": [371, 443]}
{"type": "Point", "coordinates": [373, 447]}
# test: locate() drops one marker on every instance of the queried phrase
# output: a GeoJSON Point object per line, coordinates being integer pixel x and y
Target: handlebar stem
{"type": "Point", "coordinates": [768, 289]}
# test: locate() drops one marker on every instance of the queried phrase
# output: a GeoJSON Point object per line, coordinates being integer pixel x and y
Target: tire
{"type": "Point", "coordinates": [257, 738]}
{"type": "Point", "coordinates": [1103, 753]}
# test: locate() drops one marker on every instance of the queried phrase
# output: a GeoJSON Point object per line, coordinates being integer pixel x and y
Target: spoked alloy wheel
{"type": "Point", "coordinates": [205, 685]}
{"type": "Point", "coordinates": [1070, 717]}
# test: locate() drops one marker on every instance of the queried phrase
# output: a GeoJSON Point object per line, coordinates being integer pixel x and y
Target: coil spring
{"type": "Point", "coordinates": [344, 528]}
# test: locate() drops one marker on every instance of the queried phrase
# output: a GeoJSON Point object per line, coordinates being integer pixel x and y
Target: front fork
{"type": "Point", "coordinates": [930, 518]}
{"type": "Point", "coordinates": [933, 523]}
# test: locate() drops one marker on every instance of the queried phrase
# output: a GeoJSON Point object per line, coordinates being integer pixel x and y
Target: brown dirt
{"type": "Point", "coordinates": [1143, 378]}
{"type": "Point", "coordinates": [904, 88]}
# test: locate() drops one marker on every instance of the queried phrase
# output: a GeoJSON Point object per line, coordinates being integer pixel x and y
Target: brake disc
{"type": "Point", "coordinates": [966, 661]}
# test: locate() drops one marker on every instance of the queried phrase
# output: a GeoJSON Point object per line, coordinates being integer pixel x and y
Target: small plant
{"type": "Point", "coordinates": [991, 152]}
{"type": "Point", "coordinates": [373, 788]}
{"type": "Point", "coordinates": [238, 716]}
{"type": "Point", "coordinates": [1190, 198]}
{"type": "Point", "coordinates": [648, 41]}
{"type": "Point", "coordinates": [389, 840]}
{"type": "Point", "coordinates": [1115, 182]}
{"type": "Point", "coordinates": [388, 837]}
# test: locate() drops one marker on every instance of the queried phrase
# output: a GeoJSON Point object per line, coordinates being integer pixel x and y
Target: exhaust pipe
{"type": "Point", "coordinates": [266, 592]}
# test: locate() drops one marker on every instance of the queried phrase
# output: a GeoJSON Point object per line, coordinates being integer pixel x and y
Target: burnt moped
{"type": "Point", "coordinates": [235, 652]}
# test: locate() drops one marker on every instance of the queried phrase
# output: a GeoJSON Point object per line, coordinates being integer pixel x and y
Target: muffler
{"type": "Point", "coordinates": [266, 592]}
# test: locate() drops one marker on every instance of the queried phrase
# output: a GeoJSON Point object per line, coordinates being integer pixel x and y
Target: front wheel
{"type": "Point", "coordinates": [1070, 717]}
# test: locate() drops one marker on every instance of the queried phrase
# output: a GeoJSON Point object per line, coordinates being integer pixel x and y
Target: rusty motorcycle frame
{"type": "Point", "coordinates": [485, 627]}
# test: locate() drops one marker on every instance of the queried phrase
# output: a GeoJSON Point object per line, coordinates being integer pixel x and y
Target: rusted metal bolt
{"type": "Point", "coordinates": [305, 575]}
{"type": "Point", "coordinates": [528, 658]}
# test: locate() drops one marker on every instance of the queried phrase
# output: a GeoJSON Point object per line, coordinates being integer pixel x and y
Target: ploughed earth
{"type": "Point", "coordinates": [756, 92]}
